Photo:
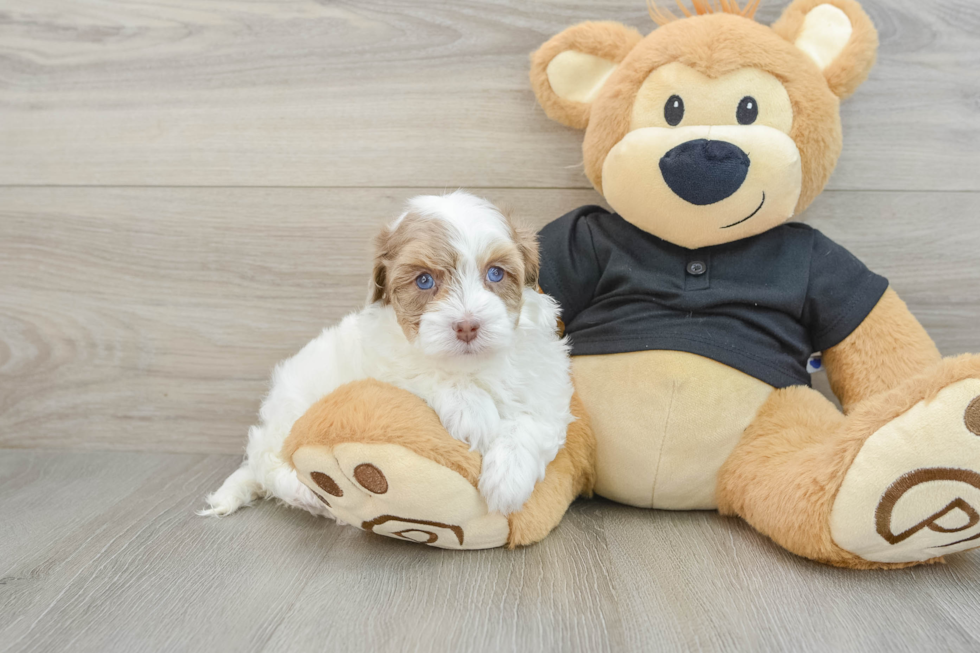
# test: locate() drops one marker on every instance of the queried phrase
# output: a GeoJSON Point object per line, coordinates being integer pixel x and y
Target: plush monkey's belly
{"type": "Point", "coordinates": [664, 422]}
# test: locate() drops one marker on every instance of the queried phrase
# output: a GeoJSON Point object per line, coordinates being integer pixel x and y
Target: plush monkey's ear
{"type": "Point", "coordinates": [837, 35]}
{"type": "Point", "coordinates": [568, 71]}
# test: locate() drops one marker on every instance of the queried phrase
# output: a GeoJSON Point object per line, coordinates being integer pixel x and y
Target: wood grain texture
{"type": "Point", "coordinates": [102, 552]}
{"type": "Point", "coordinates": [150, 319]}
{"type": "Point", "coordinates": [400, 93]}
{"type": "Point", "coordinates": [147, 319]}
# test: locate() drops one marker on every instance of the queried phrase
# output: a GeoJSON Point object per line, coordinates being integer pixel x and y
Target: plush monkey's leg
{"type": "Point", "coordinates": [784, 473]}
{"type": "Point", "coordinates": [895, 483]}
{"type": "Point", "coordinates": [379, 458]}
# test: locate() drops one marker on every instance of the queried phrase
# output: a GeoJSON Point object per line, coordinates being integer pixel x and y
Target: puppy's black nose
{"type": "Point", "coordinates": [704, 172]}
{"type": "Point", "coordinates": [466, 330]}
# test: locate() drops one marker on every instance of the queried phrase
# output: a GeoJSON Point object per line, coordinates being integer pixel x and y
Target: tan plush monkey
{"type": "Point", "coordinates": [693, 309]}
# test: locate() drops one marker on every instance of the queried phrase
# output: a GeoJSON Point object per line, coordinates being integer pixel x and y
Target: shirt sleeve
{"type": "Point", "coordinates": [841, 292]}
{"type": "Point", "coordinates": [569, 269]}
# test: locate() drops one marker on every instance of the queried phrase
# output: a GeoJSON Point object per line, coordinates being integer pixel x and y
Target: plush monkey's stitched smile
{"type": "Point", "coordinates": [759, 208]}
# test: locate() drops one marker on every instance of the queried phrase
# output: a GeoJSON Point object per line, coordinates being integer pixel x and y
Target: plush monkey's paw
{"type": "Point", "coordinates": [913, 491]}
{"type": "Point", "coordinates": [389, 490]}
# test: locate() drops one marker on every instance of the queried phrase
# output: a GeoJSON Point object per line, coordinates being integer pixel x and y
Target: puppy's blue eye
{"type": "Point", "coordinates": [424, 281]}
{"type": "Point", "coordinates": [495, 274]}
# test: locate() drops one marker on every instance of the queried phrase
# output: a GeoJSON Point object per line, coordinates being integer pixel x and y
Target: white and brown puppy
{"type": "Point", "coordinates": [453, 317]}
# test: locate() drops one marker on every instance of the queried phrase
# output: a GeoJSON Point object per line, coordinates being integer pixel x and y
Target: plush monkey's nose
{"type": "Point", "coordinates": [704, 172]}
{"type": "Point", "coordinates": [466, 330]}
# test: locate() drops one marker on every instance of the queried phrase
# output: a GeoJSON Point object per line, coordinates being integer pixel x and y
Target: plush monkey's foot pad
{"type": "Point", "coordinates": [913, 491]}
{"type": "Point", "coordinates": [389, 490]}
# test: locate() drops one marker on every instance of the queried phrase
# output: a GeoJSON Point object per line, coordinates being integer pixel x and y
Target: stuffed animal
{"type": "Point", "coordinates": [379, 458]}
{"type": "Point", "coordinates": [692, 312]}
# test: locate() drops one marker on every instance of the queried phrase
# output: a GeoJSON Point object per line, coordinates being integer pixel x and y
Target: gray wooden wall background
{"type": "Point", "coordinates": [187, 193]}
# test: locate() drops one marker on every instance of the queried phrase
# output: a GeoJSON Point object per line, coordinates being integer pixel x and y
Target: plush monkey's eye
{"type": "Point", "coordinates": [495, 274]}
{"type": "Point", "coordinates": [674, 110]}
{"type": "Point", "coordinates": [748, 110]}
{"type": "Point", "coordinates": [424, 282]}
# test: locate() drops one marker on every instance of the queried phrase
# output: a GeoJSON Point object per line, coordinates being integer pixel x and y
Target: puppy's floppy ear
{"type": "Point", "coordinates": [837, 35]}
{"type": "Point", "coordinates": [527, 245]}
{"type": "Point", "coordinates": [377, 289]}
{"type": "Point", "coordinates": [568, 71]}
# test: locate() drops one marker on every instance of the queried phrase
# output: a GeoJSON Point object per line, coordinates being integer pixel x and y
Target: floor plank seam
{"type": "Point", "coordinates": [428, 187]}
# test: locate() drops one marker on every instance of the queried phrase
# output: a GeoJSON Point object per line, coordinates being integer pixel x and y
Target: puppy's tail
{"type": "Point", "coordinates": [238, 490]}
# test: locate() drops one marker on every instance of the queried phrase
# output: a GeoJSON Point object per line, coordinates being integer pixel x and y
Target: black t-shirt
{"type": "Point", "coordinates": [761, 305]}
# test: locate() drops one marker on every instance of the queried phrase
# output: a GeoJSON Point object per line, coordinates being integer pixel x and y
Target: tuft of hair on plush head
{"type": "Point", "coordinates": [663, 16]}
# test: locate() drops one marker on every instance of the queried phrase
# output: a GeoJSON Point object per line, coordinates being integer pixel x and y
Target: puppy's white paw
{"type": "Point", "coordinates": [469, 414]}
{"type": "Point", "coordinates": [508, 477]}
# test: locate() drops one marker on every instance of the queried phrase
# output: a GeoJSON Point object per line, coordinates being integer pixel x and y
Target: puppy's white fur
{"type": "Point", "coordinates": [507, 394]}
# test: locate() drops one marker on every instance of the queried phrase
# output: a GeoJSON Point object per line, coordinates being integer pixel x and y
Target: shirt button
{"type": "Point", "coordinates": [696, 268]}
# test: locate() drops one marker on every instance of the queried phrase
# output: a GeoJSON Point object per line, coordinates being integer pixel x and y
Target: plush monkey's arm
{"type": "Point", "coordinates": [887, 348]}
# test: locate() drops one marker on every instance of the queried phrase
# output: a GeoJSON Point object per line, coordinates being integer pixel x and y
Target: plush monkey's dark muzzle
{"type": "Point", "coordinates": [704, 172]}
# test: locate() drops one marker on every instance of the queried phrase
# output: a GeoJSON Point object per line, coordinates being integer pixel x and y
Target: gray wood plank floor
{"type": "Point", "coordinates": [101, 552]}
{"type": "Point", "coordinates": [187, 195]}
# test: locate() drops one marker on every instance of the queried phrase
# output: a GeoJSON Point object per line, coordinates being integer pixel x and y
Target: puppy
{"type": "Point", "coordinates": [453, 317]}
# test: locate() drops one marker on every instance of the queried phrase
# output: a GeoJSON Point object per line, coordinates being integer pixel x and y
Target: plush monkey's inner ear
{"type": "Point", "coordinates": [568, 71]}
{"type": "Point", "coordinates": [577, 76]}
{"type": "Point", "coordinates": [824, 35]}
{"type": "Point", "coordinates": [837, 35]}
